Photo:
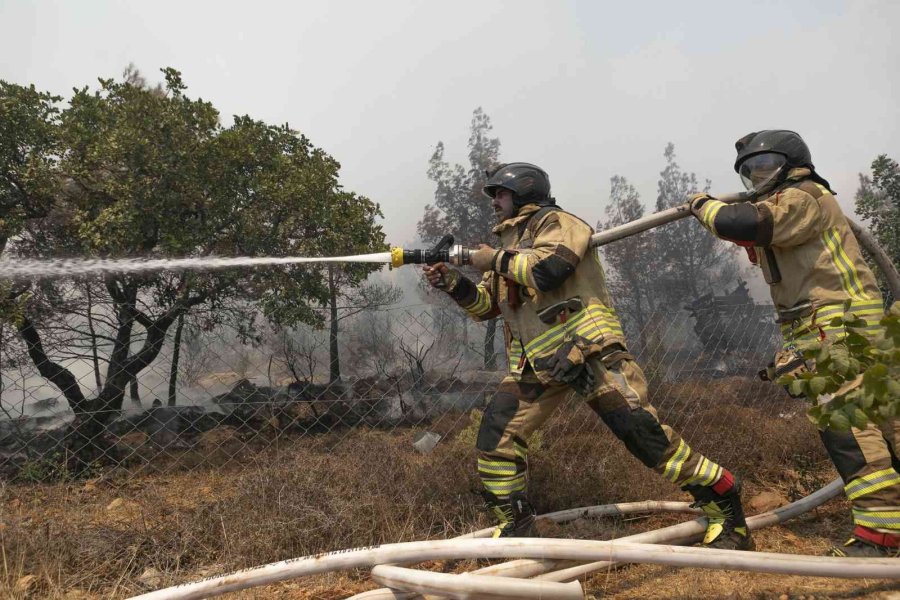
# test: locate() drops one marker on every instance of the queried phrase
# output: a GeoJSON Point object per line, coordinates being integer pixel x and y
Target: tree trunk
{"type": "Point", "coordinates": [334, 357]}
{"type": "Point", "coordinates": [134, 393]}
{"type": "Point", "coordinates": [94, 357]}
{"type": "Point", "coordinates": [176, 355]}
{"type": "Point", "coordinates": [490, 356]}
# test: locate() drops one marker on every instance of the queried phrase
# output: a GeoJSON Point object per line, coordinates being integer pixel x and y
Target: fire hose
{"type": "Point", "coordinates": [600, 553]}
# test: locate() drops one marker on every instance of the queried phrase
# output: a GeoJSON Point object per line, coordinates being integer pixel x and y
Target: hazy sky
{"type": "Point", "coordinates": [585, 89]}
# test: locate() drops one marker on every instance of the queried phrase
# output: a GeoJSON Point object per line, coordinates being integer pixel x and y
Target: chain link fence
{"type": "Point", "coordinates": [222, 400]}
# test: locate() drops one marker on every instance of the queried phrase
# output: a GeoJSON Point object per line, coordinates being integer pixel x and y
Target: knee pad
{"type": "Point", "coordinates": [638, 429]}
{"type": "Point", "coordinates": [844, 451]}
{"type": "Point", "coordinates": [497, 416]}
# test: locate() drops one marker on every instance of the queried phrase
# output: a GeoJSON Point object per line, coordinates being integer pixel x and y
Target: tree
{"type": "Point", "coordinates": [28, 154]}
{"type": "Point", "coordinates": [347, 297]}
{"type": "Point", "coordinates": [689, 261]}
{"type": "Point", "coordinates": [144, 172]}
{"type": "Point", "coordinates": [632, 260]}
{"type": "Point", "coordinates": [459, 206]}
{"type": "Point", "coordinates": [878, 202]}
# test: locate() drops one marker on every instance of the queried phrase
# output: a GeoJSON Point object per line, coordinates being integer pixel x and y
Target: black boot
{"type": "Point", "coordinates": [726, 527]}
{"type": "Point", "coordinates": [515, 516]}
{"type": "Point", "coordinates": [868, 543]}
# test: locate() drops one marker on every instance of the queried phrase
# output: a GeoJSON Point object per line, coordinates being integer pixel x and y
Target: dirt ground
{"type": "Point", "coordinates": [117, 537]}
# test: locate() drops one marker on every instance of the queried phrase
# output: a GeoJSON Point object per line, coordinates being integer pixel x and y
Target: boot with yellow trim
{"type": "Point", "coordinates": [515, 516]}
{"type": "Point", "coordinates": [726, 527]}
{"type": "Point", "coordinates": [868, 543]}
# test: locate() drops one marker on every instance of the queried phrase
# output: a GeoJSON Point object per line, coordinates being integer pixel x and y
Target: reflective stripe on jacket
{"type": "Point", "coordinates": [816, 254]}
{"type": "Point", "coordinates": [543, 264]}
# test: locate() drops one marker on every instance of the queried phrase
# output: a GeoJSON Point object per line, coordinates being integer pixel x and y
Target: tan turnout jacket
{"type": "Point", "coordinates": [814, 266]}
{"type": "Point", "coordinates": [547, 283]}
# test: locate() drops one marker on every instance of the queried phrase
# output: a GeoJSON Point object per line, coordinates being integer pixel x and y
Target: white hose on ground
{"type": "Point", "coordinates": [580, 550]}
{"type": "Point", "coordinates": [468, 585]}
{"type": "Point", "coordinates": [601, 510]}
{"type": "Point", "coordinates": [683, 533]}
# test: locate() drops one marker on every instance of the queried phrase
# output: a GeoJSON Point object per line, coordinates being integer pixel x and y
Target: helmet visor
{"type": "Point", "coordinates": [761, 171]}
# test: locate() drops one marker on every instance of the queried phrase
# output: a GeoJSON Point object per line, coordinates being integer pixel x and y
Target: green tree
{"type": "Point", "coordinates": [878, 202]}
{"type": "Point", "coordinates": [28, 154]}
{"type": "Point", "coordinates": [459, 206]}
{"type": "Point", "coordinates": [151, 172]}
{"type": "Point", "coordinates": [690, 262]}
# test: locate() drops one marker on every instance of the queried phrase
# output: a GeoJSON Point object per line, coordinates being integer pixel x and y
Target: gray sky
{"type": "Point", "coordinates": [585, 89]}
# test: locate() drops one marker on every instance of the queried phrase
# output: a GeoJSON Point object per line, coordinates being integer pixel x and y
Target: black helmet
{"type": "Point", "coordinates": [773, 151]}
{"type": "Point", "coordinates": [528, 183]}
{"type": "Point", "coordinates": [780, 141]}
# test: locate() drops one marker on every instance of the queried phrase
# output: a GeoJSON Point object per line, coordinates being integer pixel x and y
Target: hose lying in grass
{"type": "Point", "coordinates": [683, 533]}
{"type": "Point", "coordinates": [580, 550]}
{"type": "Point", "coordinates": [542, 548]}
{"type": "Point", "coordinates": [468, 585]}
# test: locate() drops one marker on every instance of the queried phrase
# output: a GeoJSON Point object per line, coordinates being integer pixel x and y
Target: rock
{"type": "Point", "coordinates": [115, 504]}
{"type": "Point", "coordinates": [426, 441]}
{"type": "Point", "coordinates": [766, 501]}
{"type": "Point", "coordinates": [151, 578]}
{"type": "Point", "coordinates": [25, 584]}
{"type": "Point", "coordinates": [784, 597]}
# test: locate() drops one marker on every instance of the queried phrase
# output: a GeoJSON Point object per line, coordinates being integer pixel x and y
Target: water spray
{"type": "Point", "coordinates": [27, 268]}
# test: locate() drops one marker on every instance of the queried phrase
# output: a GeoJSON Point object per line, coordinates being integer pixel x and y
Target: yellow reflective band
{"type": "Point", "coordinates": [520, 268]}
{"type": "Point", "coordinates": [497, 470]}
{"type": "Point", "coordinates": [521, 451]}
{"type": "Point", "coordinates": [705, 473]}
{"type": "Point", "coordinates": [497, 467]}
{"type": "Point", "coordinates": [873, 482]}
{"type": "Point", "coordinates": [868, 310]}
{"type": "Point", "coordinates": [482, 304]}
{"type": "Point", "coordinates": [515, 356]}
{"type": "Point", "coordinates": [588, 330]}
{"type": "Point", "coordinates": [593, 314]}
{"type": "Point", "coordinates": [709, 215]}
{"type": "Point", "coordinates": [823, 189]}
{"type": "Point", "coordinates": [504, 486]}
{"type": "Point", "coordinates": [673, 467]}
{"type": "Point", "coordinates": [849, 276]}
{"type": "Point", "coordinates": [883, 519]}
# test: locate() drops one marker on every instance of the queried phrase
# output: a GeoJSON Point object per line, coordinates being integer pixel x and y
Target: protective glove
{"type": "Point", "coordinates": [567, 365]}
{"type": "Point", "coordinates": [697, 201]}
{"type": "Point", "coordinates": [483, 258]}
{"type": "Point", "coordinates": [440, 276]}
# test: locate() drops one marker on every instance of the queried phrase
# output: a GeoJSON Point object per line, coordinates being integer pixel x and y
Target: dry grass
{"type": "Point", "coordinates": [115, 538]}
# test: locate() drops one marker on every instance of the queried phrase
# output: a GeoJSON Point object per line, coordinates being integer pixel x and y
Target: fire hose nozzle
{"type": "Point", "coordinates": [444, 251]}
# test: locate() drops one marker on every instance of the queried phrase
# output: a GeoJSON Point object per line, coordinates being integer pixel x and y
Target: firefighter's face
{"type": "Point", "coordinates": [502, 204]}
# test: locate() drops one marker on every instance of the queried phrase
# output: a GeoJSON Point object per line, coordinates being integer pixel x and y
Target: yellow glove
{"type": "Point", "coordinates": [483, 258]}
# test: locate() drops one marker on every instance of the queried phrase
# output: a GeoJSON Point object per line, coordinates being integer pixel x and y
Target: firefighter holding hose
{"type": "Point", "coordinates": [796, 233]}
{"type": "Point", "coordinates": [562, 334]}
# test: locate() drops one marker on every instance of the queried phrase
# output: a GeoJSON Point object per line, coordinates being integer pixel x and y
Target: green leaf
{"type": "Point", "coordinates": [817, 385]}
{"type": "Point", "coordinates": [838, 421]}
{"type": "Point", "coordinates": [814, 414]}
{"type": "Point", "coordinates": [856, 416]}
{"type": "Point", "coordinates": [797, 387]}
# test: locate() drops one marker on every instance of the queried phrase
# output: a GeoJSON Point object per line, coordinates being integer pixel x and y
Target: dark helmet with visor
{"type": "Point", "coordinates": [765, 157]}
{"type": "Point", "coordinates": [528, 183]}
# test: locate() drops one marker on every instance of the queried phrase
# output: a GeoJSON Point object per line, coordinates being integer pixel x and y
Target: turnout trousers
{"type": "Point", "coordinates": [522, 404]}
{"type": "Point", "coordinates": [866, 460]}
